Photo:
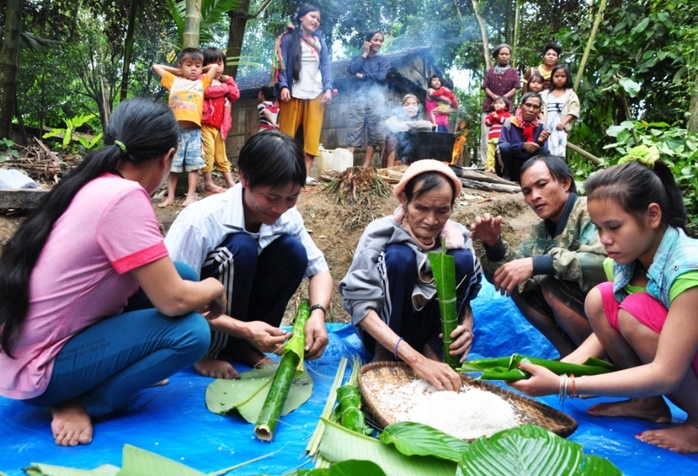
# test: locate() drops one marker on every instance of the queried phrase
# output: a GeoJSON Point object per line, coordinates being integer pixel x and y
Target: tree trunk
{"type": "Point", "coordinates": [592, 36]}
{"type": "Point", "coordinates": [192, 24]}
{"type": "Point", "coordinates": [236, 33]}
{"type": "Point", "coordinates": [128, 48]}
{"type": "Point", "coordinates": [9, 65]}
{"type": "Point", "coordinates": [483, 31]}
{"type": "Point", "coordinates": [693, 108]}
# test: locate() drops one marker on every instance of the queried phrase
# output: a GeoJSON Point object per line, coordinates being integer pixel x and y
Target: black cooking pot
{"type": "Point", "coordinates": [415, 145]}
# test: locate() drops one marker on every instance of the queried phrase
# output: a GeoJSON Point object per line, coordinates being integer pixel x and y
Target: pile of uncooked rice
{"type": "Point", "coordinates": [468, 414]}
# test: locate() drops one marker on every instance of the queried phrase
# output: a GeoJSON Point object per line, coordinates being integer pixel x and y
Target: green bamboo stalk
{"type": "Point", "coordinates": [444, 268]}
{"type": "Point", "coordinates": [291, 360]}
{"type": "Point", "coordinates": [506, 368]}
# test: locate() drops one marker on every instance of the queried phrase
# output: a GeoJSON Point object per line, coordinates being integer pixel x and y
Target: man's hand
{"type": "Point", "coordinates": [487, 228]}
{"type": "Point", "coordinates": [265, 337]}
{"type": "Point", "coordinates": [532, 147]}
{"type": "Point", "coordinates": [513, 273]}
{"type": "Point", "coordinates": [315, 338]}
{"type": "Point", "coordinates": [544, 136]}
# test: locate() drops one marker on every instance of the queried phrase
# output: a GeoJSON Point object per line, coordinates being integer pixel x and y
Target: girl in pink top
{"type": "Point", "coordinates": [92, 309]}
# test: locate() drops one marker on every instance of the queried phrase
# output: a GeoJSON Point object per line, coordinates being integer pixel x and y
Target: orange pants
{"type": "Point", "coordinates": [307, 113]}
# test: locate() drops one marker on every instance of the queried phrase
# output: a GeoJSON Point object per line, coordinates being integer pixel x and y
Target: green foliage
{"type": "Point", "coordinates": [412, 438]}
{"type": "Point", "coordinates": [678, 148]}
{"type": "Point", "coordinates": [71, 124]}
{"type": "Point", "coordinates": [530, 450]}
{"type": "Point", "coordinates": [7, 150]}
{"type": "Point", "coordinates": [345, 468]}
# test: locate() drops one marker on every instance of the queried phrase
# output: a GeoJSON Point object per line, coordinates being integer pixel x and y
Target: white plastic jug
{"type": "Point", "coordinates": [343, 159]}
{"type": "Point", "coordinates": [325, 161]}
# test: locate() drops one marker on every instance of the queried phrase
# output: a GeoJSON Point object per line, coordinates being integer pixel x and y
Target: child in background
{"type": "Point", "coordinates": [216, 121]}
{"type": "Point", "coordinates": [561, 109]}
{"type": "Point", "coordinates": [268, 109]}
{"type": "Point", "coordinates": [535, 85]}
{"type": "Point", "coordinates": [186, 86]}
{"type": "Point", "coordinates": [440, 103]}
{"type": "Point", "coordinates": [494, 121]}
{"type": "Point", "coordinates": [645, 319]}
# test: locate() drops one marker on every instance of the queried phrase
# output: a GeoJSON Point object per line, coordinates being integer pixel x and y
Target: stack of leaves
{"type": "Point", "coordinates": [506, 368]}
{"type": "Point", "coordinates": [362, 190]}
{"type": "Point", "coordinates": [444, 268]}
{"type": "Point", "coordinates": [408, 448]}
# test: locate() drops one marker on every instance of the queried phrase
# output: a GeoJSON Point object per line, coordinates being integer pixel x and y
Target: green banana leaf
{"type": "Point", "coordinates": [530, 450]}
{"type": "Point", "coordinates": [247, 395]}
{"type": "Point", "coordinates": [412, 438]}
{"type": "Point", "coordinates": [350, 467]}
{"type": "Point", "coordinates": [41, 469]}
{"type": "Point", "coordinates": [444, 268]}
{"type": "Point", "coordinates": [341, 444]}
{"type": "Point", "coordinates": [506, 368]}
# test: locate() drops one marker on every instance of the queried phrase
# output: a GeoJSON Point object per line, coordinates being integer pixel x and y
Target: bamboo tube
{"type": "Point", "coordinates": [444, 268]}
{"type": "Point", "coordinates": [281, 384]}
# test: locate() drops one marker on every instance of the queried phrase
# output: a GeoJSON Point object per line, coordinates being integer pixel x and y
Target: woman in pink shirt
{"type": "Point", "coordinates": [92, 309]}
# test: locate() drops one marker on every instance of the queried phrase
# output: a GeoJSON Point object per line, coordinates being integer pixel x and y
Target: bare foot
{"type": "Point", "coordinates": [251, 356]}
{"type": "Point", "coordinates": [652, 409]}
{"type": "Point", "coordinates": [166, 202]}
{"type": "Point", "coordinates": [209, 367]}
{"type": "Point", "coordinates": [680, 439]}
{"type": "Point", "coordinates": [188, 201]}
{"type": "Point", "coordinates": [213, 188]}
{"type": "Point", "coordinates": [71, 425]}
{"type": "Point", "coordinates": [161, 383]}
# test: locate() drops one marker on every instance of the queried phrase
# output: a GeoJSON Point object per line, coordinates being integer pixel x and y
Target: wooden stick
{"type": "Point", "coordinates": [584, 153]}
{"type": "Point", "coordinates": [490, 187]}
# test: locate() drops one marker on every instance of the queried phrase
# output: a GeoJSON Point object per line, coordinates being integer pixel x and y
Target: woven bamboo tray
{"type": "Point", "coordinates": [372, 378]}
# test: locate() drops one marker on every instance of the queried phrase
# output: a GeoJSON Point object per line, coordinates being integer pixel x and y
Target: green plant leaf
{"type": "Point", "coordinates": [139, 462]}
{"type": "Point", "coordinates": [350, 467]}
{"type": "Point", "coordinates": [506, 368]}
{"type": "Point", "coordinates": [412, 438]}
{"type": "Point", "coordinates": [530, 450]}
{"type": "Point", "coordinates": [41, 469]}
{"type": "Point", "coordinates": [340, 444]}
{"type": "Point", "coordinates": [444, 268]}
{"type": "Point", "coordinates": [247, 395]}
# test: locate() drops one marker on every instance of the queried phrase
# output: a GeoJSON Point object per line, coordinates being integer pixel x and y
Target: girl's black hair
{"type": "Point", "coordinates": [429, 181]}
{"type": "Point", "coordinates": [634, 186]}
{"type": "Point", "coordinates": [272, 158]}
{"type": "Point", "coordinates": [148, 130]}
{"type": "Point", "coordinates": [568, 84]}
{"type": "Point", "coordinates": [506, 102]}
{"type": "Point", "coordinates": [296, 34]}
{"type": "Point", "coordinates": [369, 36]}
{"type": "Point", "coordinates": [557, 167]}
{"type": "Point", "coordinates": [552, 46]}
{"type": "Point", "coordinates": [211, 55]}
{"type": "Point", "coordinates": [537, 75]}
{"type": "Point", "coordinates": [441, 80]}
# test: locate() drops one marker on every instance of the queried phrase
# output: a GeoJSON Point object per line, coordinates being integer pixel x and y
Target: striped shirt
{"type": "Point", "coordinates": [202, 226]}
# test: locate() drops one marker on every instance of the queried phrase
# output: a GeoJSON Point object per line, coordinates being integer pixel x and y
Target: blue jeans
{"type": "Point", "coordinates": [421, 327]}
{"type": "Point", "coordinates": [108, 362]}
{"type": "Point", "coordinates": [258, 286]}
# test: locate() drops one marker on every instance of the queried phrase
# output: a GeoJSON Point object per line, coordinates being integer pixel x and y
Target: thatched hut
{"type": "Point", "coordinates": [409, 73]}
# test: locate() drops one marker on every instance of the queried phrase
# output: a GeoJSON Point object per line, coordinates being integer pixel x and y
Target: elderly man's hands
{"type": "Point", "coordinates": [511, 274]}
{"type": "Point", "coordinates": [487, 228]}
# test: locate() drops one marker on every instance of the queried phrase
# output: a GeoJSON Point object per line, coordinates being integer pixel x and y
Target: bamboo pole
{"type": "Point", "coordinates": [483, 32]}
{"type": "Point", "coordinates": [584, 153]}
{"type": "Point", "coordinates": [590, 42]}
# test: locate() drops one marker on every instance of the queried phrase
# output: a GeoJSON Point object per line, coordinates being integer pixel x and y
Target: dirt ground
{"type": "Point", "coordinates": [336, 228]}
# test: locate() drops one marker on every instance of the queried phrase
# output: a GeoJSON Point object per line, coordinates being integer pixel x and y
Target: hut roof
{"type": "Point", "coordinates": [403, 76]}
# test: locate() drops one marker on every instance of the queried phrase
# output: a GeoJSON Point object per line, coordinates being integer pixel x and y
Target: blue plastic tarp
{"type": "Point", "coordinates": [173, 420]}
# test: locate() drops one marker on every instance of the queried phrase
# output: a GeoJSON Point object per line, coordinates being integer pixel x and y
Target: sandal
{"type": "Point", "coordinates": [311, 181]}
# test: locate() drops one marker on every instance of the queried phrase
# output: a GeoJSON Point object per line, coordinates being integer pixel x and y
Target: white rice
{"type": "Point", "coordinates": [467, 414]}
